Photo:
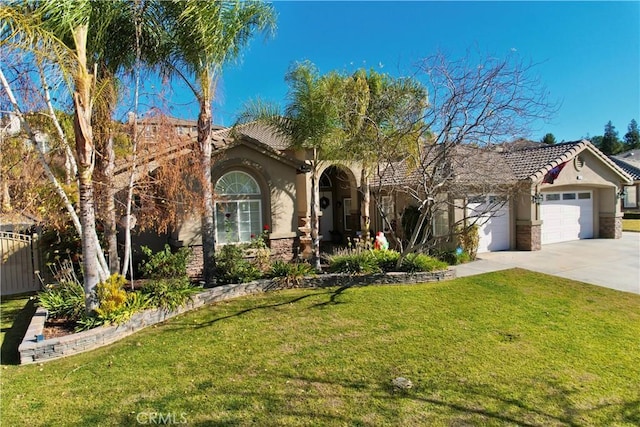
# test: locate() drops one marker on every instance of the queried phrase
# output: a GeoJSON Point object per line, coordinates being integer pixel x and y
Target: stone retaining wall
{"type": "Point", "coordinates": [33, 351]}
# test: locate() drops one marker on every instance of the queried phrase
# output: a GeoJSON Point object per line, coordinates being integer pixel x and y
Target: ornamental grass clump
{"type": "Point", "coordinates": [414, 263]}
{"type": "Point", "coordinates": [354, 262]}
{"type": "Point", "coordinates": [63, 301]}
{"type": "Point", "coordinates": [290, 275]}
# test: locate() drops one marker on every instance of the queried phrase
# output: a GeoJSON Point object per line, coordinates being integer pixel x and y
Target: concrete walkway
{"type": "Point", "coordinates": [610, 263]}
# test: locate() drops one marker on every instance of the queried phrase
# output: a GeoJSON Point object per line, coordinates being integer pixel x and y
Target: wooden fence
{"type": "Point", "coordinates": [20, 259]}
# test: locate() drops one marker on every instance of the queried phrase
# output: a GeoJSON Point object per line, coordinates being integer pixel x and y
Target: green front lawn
{"type": "Point", "coordinates": [511, 347]}
{"type": "Point", "coordinates": [631, 225]}
{"type": "Point", "coordinates": [15, 316]}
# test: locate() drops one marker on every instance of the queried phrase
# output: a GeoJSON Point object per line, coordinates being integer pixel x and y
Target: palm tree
{"type": "Point", "coordinates": [310, 122]}
{"type": "Point", "coordinates": [204, 35]}
{"type": "Point", "coordinates": [76, 31]}
{"type": "Point", "coordinates": [129, 31]}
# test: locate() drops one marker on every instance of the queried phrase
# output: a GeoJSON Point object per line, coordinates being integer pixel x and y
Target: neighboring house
{"type": "Point", "coordinates": [566, 191]}
{"type": "Point", "coordinates": [629, 161]}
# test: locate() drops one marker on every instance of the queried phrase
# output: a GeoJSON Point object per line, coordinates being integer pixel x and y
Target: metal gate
{"type": "Point", "coordinates": [20, 259]}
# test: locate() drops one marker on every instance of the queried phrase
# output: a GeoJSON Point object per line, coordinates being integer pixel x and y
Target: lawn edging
{"type": "Point", "coordinates": [33, 351]}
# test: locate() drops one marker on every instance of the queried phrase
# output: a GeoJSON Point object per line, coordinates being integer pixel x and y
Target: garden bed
{"type": "Point", "coordinates": [32, 350]}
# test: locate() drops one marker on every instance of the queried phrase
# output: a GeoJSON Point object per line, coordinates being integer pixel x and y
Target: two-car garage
{"type": "Point", "coordinates": [566, 216]}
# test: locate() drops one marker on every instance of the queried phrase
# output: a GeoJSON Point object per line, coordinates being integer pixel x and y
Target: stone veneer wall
{"type": "Point", "coordinates": [194, 266]}
{"type": "Point", "coordinates": [283, 249]}
{"type": "Point", "coordinates": [610, 227]}
{"type": "Point", "coordinates": [528, 237]}
{"type": "Point", "coordinates": [32, 351]}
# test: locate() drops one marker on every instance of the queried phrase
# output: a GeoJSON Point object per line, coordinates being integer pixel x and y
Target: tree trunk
{"type": "Point", "coordinates": [85, 150]}
{"type": "Point", "coordinates": [105, 166]}
{"type": "Point", "coordinates": [207, 221]}
{"type": "Point", "coordinates": [315, 222]}
{"type": "Point", "coordinates": [5, 196]}
{"type": "Point", "coordinates": [70, 167]}
{"type": "Point", "coordinates": [110, 231]}
{"type": "Point", "coordinates": [90, 263]}
{"type": "Point", "coordinates": [365, 220]}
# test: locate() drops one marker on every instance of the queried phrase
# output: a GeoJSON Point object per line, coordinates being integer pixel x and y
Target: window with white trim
{"type": "Point", "coordinates": [630, 197]}
{"type": "Point", "coordinates": [440, 223]}
{"type": "Point", "coordinates": [389, 210]}
{"type": "Point", "coordinates": [346, 207]}
{"type": "Point", "coordinates": [238, 210]}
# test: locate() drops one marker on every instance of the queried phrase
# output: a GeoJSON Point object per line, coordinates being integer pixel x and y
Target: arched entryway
{"type": "Point", "coordinates": [338, 204]}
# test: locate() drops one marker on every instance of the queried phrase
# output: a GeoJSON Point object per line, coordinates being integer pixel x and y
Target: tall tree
{"type": "Point", "coordinates": [310, 122]}
{"type": "Point", "coordinates": [205, 35]}
{"type": "Point", "coordinates": [64, 26]}
{"type": "Point", "coordinates": [548, 139]}
{"type": "Point", "coordinates": [632, 137]}
{"type": "Point", "coordinates": [610, 143]}
{"type": "Point", "coordinates": [131, 31]}
{"type": "Point", "coordinates": [378, 117]}
{"type": "Point", "coordinates": [474, 103]}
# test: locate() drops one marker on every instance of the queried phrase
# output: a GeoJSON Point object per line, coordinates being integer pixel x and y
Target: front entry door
{"type": "Point", "coordinates": [326, 220]}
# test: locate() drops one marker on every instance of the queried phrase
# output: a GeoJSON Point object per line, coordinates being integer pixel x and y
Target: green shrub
{"type": "Point", "coordinates": [453, 257]}
{"type": "Point", "coordinates": [65, 300]}
{"type": "Point", "coordinates": [290, 275]}
{"type": "Point", "coordinates": [115, 304]}
{"type": "Point", "coordinates": [233, 268]}
{"type": "Point", "coordinates": [468, 240]}
{"type": "Point", "coordinates": [413, 263]}
{"type": "Point", "coordinates": [168, 294]}
{"type": "Point", "coordinates": [386, 259]}
{"type": "Point", "coordinates": [111, 296]}
{"type": "Point", "coordinates": [165, 264]}
{"type": "Point", "coordinates": [354, 262]}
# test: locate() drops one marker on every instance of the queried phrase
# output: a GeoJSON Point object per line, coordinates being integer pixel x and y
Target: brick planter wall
{"type": "Point", "coordinates": [33, 351]}
{"type": "Point", "coordinates": [528, 237]}
{"type": "Point", "coordinates": [610, 227]}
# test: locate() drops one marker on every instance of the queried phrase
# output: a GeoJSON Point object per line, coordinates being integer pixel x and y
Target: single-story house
{"type": "Point", "coordinates": [567, 191]}
{"type": "Point", "coordinates": [629, 161]}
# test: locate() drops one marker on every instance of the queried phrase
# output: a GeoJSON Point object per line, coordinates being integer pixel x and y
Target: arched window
{"type": "Point", "coordinates": [238, 208]}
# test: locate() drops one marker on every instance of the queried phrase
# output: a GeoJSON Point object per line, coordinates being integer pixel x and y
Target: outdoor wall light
{"type": "Point", "coordinates": [537, 198]}
{"type": "Point", "coordinates": [305, 168]}
{"type": "Point", "coordinates": [621, 193]}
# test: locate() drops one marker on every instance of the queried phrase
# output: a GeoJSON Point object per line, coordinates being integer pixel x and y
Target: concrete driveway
{"type": "Point", "coordinates": [610, 263]}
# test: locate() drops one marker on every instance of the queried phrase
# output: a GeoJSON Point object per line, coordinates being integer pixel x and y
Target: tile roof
{"type": "Point", "coordinates": [469, 163]}
{"type": "Point", "coordinates": [256, 131]}
{"type": "Point", "coordinates": [464, 163]}
{"type": "Point", "coordinates": [526, 163]}
{"type": "Point", "coordinates": [631, 157]}
{"type": "Point", "coordinates": [534, 163]}
{"type": "Point", "coordinates": [631, 170]}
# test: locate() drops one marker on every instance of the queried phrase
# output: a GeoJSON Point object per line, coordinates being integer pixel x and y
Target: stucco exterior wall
{"type": "Point", "coordinates": [277, 185]}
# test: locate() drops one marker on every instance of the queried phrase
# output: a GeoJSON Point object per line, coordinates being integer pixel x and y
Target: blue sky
{"type": "Point", "coordinates": [588, 53]}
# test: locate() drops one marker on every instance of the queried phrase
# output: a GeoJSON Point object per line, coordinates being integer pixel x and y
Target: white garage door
{"type": "Point", "coordinates": [566, 216]}
{"type": "Point", "coordinates": [492, 217]}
